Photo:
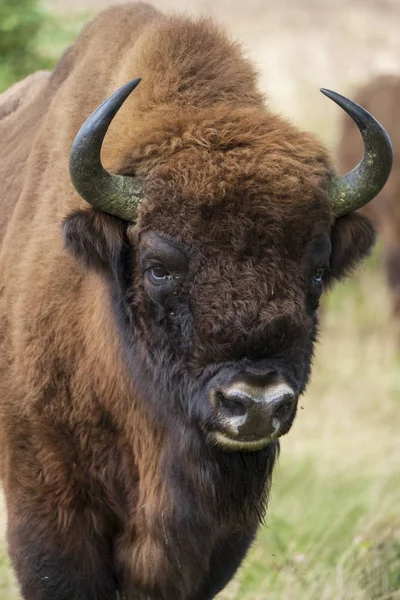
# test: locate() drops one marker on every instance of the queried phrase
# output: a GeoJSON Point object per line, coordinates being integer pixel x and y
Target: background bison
{"type": "Point", "coordinates": [304, 493]}
{"type": "Point", "coordinates": [381, 97]}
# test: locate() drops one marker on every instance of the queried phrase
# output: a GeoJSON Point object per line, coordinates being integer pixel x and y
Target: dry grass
{"type": "Point", "coordinates": [333, 530]}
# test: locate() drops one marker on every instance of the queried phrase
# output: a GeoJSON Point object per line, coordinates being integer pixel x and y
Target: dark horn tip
{"type": "Point", "coordinates": [345, 103]}
{"type": "Point", "coordinates": [328, 93]}
{"type": "Point", "coordinates": [133, 83]}
{"type": "Point", "coordinates": [360, 115]}
{"type": "Point", "coordinates": [331, 94]}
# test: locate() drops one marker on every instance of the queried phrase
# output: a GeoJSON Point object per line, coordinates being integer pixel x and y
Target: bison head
{"type": "Point", "coordinates": [217, 238]}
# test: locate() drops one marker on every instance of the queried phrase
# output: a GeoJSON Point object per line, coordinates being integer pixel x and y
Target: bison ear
{"type": "Point", "coordinates": [352, 239]}
{"type": "Point", "coordinates": [96, 239]}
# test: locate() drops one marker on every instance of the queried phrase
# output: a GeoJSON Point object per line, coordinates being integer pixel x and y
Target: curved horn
{"type": "Point", "coordinates": [117, 195]}
{"type": "Point", "coordinates": [365, 181]}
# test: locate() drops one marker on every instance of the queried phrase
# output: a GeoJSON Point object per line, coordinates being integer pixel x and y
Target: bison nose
{"type": "Point", "coordinates": [250, 410]}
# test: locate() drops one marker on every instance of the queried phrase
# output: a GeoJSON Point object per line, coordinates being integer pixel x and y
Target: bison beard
{"type": "Point", "coordinates": [129, 351]}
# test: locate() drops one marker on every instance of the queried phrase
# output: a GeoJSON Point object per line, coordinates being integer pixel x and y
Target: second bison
{"type": "Point", "coordinates": [381, 97]}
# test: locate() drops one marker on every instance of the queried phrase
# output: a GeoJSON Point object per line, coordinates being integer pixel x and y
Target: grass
{"type": "Point", "coordinates": [333, 524]}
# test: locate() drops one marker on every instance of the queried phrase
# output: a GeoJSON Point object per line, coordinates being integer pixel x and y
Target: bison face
{"type": "Point", "coordinates": [218, 332]}
{"type": "Point", "coordinates": [237, 325]}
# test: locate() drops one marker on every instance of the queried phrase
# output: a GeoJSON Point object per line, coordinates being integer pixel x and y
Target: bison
{"type": "Point", "coordinates": [381, 96]}
{"type": "Point", "coordinates": [158, 305]}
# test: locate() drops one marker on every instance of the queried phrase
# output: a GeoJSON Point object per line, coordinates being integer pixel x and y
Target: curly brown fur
{"type": "Point", "coordinates": [112, 480]}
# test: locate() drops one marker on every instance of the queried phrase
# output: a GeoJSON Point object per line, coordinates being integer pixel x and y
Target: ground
{"type": "Point", "coordinates": [333, 526]}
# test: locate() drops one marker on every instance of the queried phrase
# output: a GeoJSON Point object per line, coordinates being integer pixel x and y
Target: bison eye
{"type": "Point", "coordinates": [318, 276]}
{"type": "Point", "coordinates": [315, 289]}
{"type": "Point", "coordinates": [159, 274]}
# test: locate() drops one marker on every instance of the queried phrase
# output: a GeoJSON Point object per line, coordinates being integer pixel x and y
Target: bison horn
{"type": "Point", "coordinates": [365, 181]}
{"type": "Point", "coordinates": [117, 195]}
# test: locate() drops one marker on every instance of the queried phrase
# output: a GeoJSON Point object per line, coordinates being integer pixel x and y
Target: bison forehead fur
{"type": "Point", "coordinates": [116, 485]}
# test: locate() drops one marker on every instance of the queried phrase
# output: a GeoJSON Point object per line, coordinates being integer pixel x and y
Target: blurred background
{"type": "Point", "coordinates": [333, 525]}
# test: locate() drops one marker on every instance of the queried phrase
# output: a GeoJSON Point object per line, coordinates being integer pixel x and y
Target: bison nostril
{"type": "Point", "coordinates": [283, 410]}
{"type": "Point", "coordinates": [235, 408]}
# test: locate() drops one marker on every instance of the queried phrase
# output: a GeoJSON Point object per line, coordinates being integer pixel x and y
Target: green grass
{"type": "Point", "coordinates": [330, 534]}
